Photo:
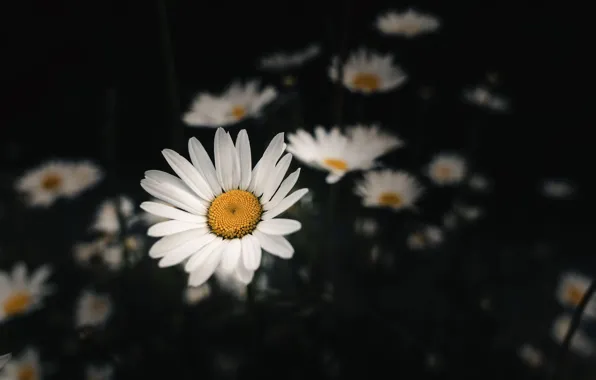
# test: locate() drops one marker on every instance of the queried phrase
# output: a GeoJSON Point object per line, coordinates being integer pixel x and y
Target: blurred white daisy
{"type": "Point", "coordinates": [99, 372]}
{"type": "Point", "coordinates": [557, 188]}
{"type": "Point", "coordinates": [93, 309]}
{"type": "Point", "coordinates": [478, 182]}
{"type": "Point", "coordinates": [388, 188]}
{"type": "Point", "coordinates": [43, 185]}
{"type": "Point", "coordinates": [285, 61]}
{"type": "Point", "coordinates": [466, 212]}
{"type": "Point", "coordinates": [368, 72]}
{"type": "Point", "coordinates": [195, 294]}
{"type": "Point", "coordinates": [23, 367]}
{"type": "Point", "coordinates": [580, 343]}
{"type": "Point", "coordinates": [447, 169]}
{"type": "Point", "coordinates": [366, 226]}
{"type": "Point", "coordinates": [427, 237]}
{"type": "Point", "coordinates": [238, 102]}
{"type": "Point", "coordinates": [110, 250]}
{"type": "Point", "coordinates": [407, 24]}
{"type": "Point", "coordinates": [530, 355]}
{"type": "Point", "coordinates": [226, 214]}
{"type": "Point", "coordinates": [108, 215]}
{"type": "Point", "coordinates": [4, 359]}
{"type": "Point", "coordinates": [571, 290]}
{"type": "Point", "coordinates": [339, 153]}
{"type": "Point", "coordinates": [481, 96]}
{"type": "Point", "coordinates": [20, 294]}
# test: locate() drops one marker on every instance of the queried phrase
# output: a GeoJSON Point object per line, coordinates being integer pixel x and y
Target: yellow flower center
{"type": "Point", "coordinates": [17, 303]}
{"type": "Point", "coordinates": [366, 82]}
{"type": "Point", "coordinates": [390, 200]}
{"type": "Point", "coordinates": [574, 295]}
{"type": "Point", "coordinates": [443, 172]}
{"type": "Point", "coordinates": [26, 372]}
{"type": "Point", "coordinates": [238, 112]}
{"type": "Point", "coordinates": [51, 181]}
{"type": "Point", "coordinates": [234, 214]}
{"type": "Point", "coordinates": [336, 164]}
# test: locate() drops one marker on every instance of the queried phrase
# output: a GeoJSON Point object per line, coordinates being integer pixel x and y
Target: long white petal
{"type": "Point", "coordinates": [275, 245]}
{"type": "Point", "coordinates": [174, 196]}
{"type": "Point", "coordinates": [189, 174]}
{"type": "Point", "coordinates": [224, 163]}
{"type": "Point", "coordinates": [170, 212]}
{"type": "Point", "coordinates": [244, 155]}
{"type": "Point", "coordinates": [236, 173]}
{"type": "Point", "coordinates": [202, 274]}
{"type": "Point", "coordinates": [276, 177]}
{"type": "Point", "coordinates": [199, 257]}
{"type": "Point", "coordinates": [285, 204]}
{"type": "Point", "coordinates": [279, 226]}
{"type": "Point", "coordinates": [167, 243]}
{"type": "Point", "coordinates": [251, 252]}
{"type": "Point", "coordinates": [171, 227]}
{"type": "Point", "coordinates": [283, 190]}
{"type": "Point", "coordinates": [243, 274]}
{"type": "Point", "coordinates": [231, 255]}
{"type": "Point", "coordinates": [201, 160]}
{"type": "Point", "coordinates": [184, 251]}
{"type": "Point", "coordinates": [266, 163]}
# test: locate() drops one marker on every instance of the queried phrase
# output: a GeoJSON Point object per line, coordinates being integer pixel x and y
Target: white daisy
{"type": "Point", "coordinates": [580, 343]}
{"type": "Point", "coordinates": [4, 359]}
{"type": "Point", "coordinates": [103, 372]}
{"type": "Point", "coordinates": [407, 24]}
{"type": "Point", "coordinates": [481, 96]}
{"type": "Point", "coordinates": [237, 103]}
{"type": "Point", "coordinates": [530, 355]}
{"type": "Point", "coordinates": [23, 367]}
{"type": "Point", "coordinates": [285, 61]}
{"type": "Point", "coordinates": [43, 185]}
{"type": "Point", "coordinates": [20, 294]}
{"type": "Point", "coordinates": [340, 153]}
{"type": "Point", "coordinates": [93, 309]}
{"type": "Point", "coordinates": [366, 226]}
{"type": "Point", "coordinates": [447, 169]}
{"type": "Point", "coordinates": [388, 188]}
{"type": "Point", "coordinates": [557, 188]}
{"type": "Point", "coordinates": [107, 218]}
{"type": "Point", "coordinates": [571, 290]}
{"type": "Point", "coordinates": [110, 250]}
{"type": "Point", "coordinates": [428, 237]}
{"type": "Point", "coordinates": [368, 72]}
{"type": "Point", "coordinates": [222, 214]}
{"type": "Point", "coordinates": [195, 294]}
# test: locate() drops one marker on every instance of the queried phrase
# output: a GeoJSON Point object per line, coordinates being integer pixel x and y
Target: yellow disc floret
{"type": "Point", "coordinates": [234, 214]}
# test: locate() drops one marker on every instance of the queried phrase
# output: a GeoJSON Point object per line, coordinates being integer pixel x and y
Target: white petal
{"type": "Point", "coordinates": [266, 163]}
{"type": "Point", "coordinates": [171, 227]}
{"type": "Point", "coordinates": [201, 160]}
{"type": "Point", "coordinates": [200, 256]}
{"type": "Point", "coordinates": [189, 174]}
{"type": "Point", "coordinates": [244, 156]}
{"type": "Point", "coordinates": [275, 178]}
{"type": "Point", "coordinates": [165, 244]}
{"type": "Point", "coordinates": [174, 196]}
{"type": "Point", "coordinates": [279, 226]}
{"type": "Point", "coordinates": [244, 275]}
{"type": "Point", "coordinates": [251, 252]}
{"type": "Point", "coordinates": [224, 159]}
{"type": "Point", "coordinates": [231, 255]}
{"type": "Point", "coordinates": [334, 178]}
{"type": "Point", "coordinates": [285, 204]}
{"type": "Point", "coordinates": [275, 245]}
{"type": "Point", "coordinates": [202, 274]}
{"type": "Point", "coordinates": [236, 161]}
{"type": "Point", "coordinates": [283, 190]}
{"type": "Point", "coordinates": [170, 212]}
{"type": "Point", "coordinates": [40, 276]}
{"type": "Point", "coordinates": [182, 252]}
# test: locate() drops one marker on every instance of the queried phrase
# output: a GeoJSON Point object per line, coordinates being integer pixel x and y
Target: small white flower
{"type": "Point", "coordinates": [557, 188]}
{"type": "Point", "coordinates": [226, 214]}
{"type": "Point", "coordinates": [285, 61]}
{"type": "Point", "coordinates": [52, 180]}
{"type": "Point", "coordinates": [103, 372]}
{"type": "Point", "coordinates": [23, 367]}
{"type": "Point", "coordinates": [580, 343]}
{"type": "Point", "coordinates": [108, 218]}
{"type": "Point", "coordinates": [368, 72]}
{"type": "Point", "coordinates": [447, 169]}
{"type": "Point", "coordinates": [469, 213]}
{"type": "Point", "coordinates": [237, 103]}
{"type": "Point", "coordinates": [388, 188]}
{"type": "Point", "coordinates": [571, 290]}
{"type": "Point", "coordinates": [482, 97]}
{"type": "Point", "coordinates": [478, 182]}
{"type": "Point", "coordinates": [93, 309]}
{"type": "Point", "coordinates": [339, 153]}
{"type": "Point", "coordinates": [428, 237]}
{"type": "Point", "coordinates": [530, 355]}
{"type": "Point", "coordinates": [195, 294]}
{"type": "Point", "coordinates": [366, 226]}
{"type": "Point", "coordinates": [20, 294]}
{"type": "Point", "coordinates": [407, 24]}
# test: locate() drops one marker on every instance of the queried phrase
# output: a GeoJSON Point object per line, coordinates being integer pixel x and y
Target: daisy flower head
{"type": "Point", "coordinates": [20, 294]}
{"type": "Point", "coordinates": [26, 366]}
{"type": "Point", "coordinates": [481, 96]}
{"type": "Point", "coordinates": [571, 290]}
{"type": "Point", "coordinates": [286, 61]}
{"type": "Point", "coordinates": [388, 188]}
{"type": "Point", "coordinates": [427, 237]}
{"type": "Point", "coordinates": [109, 213]}
{"type": "Point", "coordinates": [339, 153]}
{"type": "Point", "coordinates": [368, 72]}
{"type": "Point", "coordinates": [223, 214]}
{"type": "Point", "coordinates": [238, 102]}
{"type": "Point", "coordinates": [580, 343]}
{"type": "Point", "coordinates": [43, 185]}
{"type": "Point", "coordinates": [93, 309]}
{"type": "Point", "coordinates": [407, 24]}
{"type": "Point", "coordinates": [447, 169]}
